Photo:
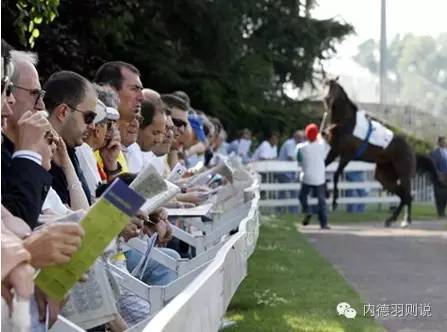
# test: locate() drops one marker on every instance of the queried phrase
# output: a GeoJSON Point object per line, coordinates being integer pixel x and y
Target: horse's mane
{"type": "Point", "coordinates": [341, 103]}
{"type": "Point", "coordinates": [344, 98]}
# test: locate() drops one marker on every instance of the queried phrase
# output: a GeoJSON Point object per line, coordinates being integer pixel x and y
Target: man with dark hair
{"type": "Point", "coordinates": [268, 149]}
{"type": "Point", "coordinates": [179, 115]}
{"type": "Point", "coordinates": [241, 145]}
{"type": "Point", "coordinates": [125, 79]}
{"type": "Point", "coordinates": [439, 156]}
{"type": "Point", "coordinates": [153, 126]}
{"type": "Point", "coordinates": [183, 96]}
{"type": "Point", "coordinates": [71, 102]}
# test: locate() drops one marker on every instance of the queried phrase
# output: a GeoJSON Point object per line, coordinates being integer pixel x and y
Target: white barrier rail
{"type": "Point", "coordinates": [202, 305]}
{"type": "Point", "coordinates": [198, 299]}
{"type": "Point", "coordinates": [281, 194]}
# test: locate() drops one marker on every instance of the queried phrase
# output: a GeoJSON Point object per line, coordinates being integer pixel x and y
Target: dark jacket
{"type": "Point", "coordinates": [60, 184]}
{"type": "Point", "coordinates": [25, 185]}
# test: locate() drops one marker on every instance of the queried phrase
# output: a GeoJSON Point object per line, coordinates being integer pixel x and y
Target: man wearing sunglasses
{"type": "Point", "coordinates": [179, 116]}
{"type": "Point", "coordinates": [71, 103]}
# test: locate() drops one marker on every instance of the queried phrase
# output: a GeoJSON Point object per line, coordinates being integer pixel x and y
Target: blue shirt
{"type": "Point", "coordinates": [439, 156]}
{"type": "Point", "coordinates": [287, 151]}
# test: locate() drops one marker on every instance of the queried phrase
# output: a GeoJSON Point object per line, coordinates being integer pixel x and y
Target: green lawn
{"type": "Point", "coordinates": [377, 213]}
{"type": "Point", "coordinates": [373, 213]}
{"type": "Point", "coordinates": [290, 287]}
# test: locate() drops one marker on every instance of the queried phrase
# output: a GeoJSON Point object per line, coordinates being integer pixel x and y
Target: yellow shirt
{"type": "Point", "coordinates": [121, 160]}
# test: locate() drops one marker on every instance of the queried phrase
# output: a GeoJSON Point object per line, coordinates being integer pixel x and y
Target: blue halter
{"type": "Point", "coordinates": [362, 148]}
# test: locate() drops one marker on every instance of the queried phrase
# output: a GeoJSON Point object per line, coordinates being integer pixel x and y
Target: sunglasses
{"type": "Point", "coordinates": [179, 123]}
{"type": "Point", "coordinates": [37, 93]}
{"type": "Point", "coordinates": [89, 116]}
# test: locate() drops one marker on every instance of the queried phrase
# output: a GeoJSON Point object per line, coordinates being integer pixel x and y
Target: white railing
{"type": "Point", "coordinates": [422, 189]}
{"type": "Point", "coordinates": [198, 299]}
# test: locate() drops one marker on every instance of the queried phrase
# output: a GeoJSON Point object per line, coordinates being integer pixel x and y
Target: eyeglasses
{"type": "Point", "coordinates": [37, 93]}
{"type": "Point", "coordinates": [8, 87]}
{"type": "Point", "coordinates": [89, 116]}
{"type": "Point", "coordinates": [179, 123]}
{"type": "Point", "coordinates": [110, 124]}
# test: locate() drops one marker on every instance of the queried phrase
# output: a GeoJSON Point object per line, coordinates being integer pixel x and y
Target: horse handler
{"type": "Point", "coordinates": [310, 156]}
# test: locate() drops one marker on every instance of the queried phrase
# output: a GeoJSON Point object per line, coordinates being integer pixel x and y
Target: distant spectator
{"type": "Point", "coordinates": [439, 156]}
{"type": "Point", "coordinates": [355, 176]}
{"type": "Point", "coordinates": [288, 153]}
{"type": "Point", "coordinates": [268, 149]}
{"type": "Point", "coordinates": [241, 145]}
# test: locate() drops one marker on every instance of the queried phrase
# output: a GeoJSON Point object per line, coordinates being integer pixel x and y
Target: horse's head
{"type": "Point", "coordinates": [333, 92]}
{"type": "Point", "coordinates": [336, 101]}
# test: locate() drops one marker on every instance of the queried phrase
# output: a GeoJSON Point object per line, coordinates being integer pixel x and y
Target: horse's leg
{"type": "Point", "coordinates": [341, 166]}
{"type": "Point", "coordinates": [386, 176]}
{"type": "Point", "coordinates": [332, 154]}
{"type": "Point", "coordinates": [407, 199]}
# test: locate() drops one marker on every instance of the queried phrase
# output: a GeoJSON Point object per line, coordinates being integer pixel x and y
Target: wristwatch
{"type": "Point", "coordinates": [114, 172]}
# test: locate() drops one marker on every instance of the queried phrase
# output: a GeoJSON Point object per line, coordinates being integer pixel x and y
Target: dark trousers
{"type": "Point", "coordinates": [320, 193]}
{"type": "Point", "coordinates": [440, 200]}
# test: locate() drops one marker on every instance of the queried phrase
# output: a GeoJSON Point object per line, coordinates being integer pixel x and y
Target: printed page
{"type": "Point", "coordinates": [197, 211]}
{"type": "Point", "coordinates": [91, 303]}
{"type": "Point", "coordinates": [103, 222]}
{"type": "Point", "coordinates": [149, 182]}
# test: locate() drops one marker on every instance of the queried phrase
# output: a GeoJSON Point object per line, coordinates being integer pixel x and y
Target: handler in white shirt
{"type": "Point", "coordinates": [311, 156]}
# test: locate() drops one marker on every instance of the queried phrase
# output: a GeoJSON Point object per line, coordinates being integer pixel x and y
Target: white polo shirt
{"type": "Point", "coordinates": [265, 151]}
{"type": "Point", "coordinates": [311, 156]}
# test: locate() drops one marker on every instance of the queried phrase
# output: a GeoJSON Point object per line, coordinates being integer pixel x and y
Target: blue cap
{"type": "Point", "coordinates": [197, 127]}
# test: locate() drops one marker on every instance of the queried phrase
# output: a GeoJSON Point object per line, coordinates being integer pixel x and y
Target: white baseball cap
{"type": "Point", "coordinates": [100, 112]}
{"type": "Point", "coordinates": [112, 113]}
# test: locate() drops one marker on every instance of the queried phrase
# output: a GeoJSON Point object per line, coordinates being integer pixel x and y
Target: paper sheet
{"type": "Point", "coordinates": [104, 221]}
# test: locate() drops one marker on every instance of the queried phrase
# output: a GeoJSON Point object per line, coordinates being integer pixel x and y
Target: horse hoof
{"type": "Point", "coordinates": [388, 223]}
{"type": "Point", "coordinates": [334, 206]}
{"type": "Point", "coordinates": [404, 224]}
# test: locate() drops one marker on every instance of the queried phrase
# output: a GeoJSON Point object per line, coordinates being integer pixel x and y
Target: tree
{"type": "Point", "coordinates": [416, 68]}
{"type": "Point", "coordinates": [232, 57]}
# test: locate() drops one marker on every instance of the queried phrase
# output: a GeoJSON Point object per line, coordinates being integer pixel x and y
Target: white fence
{"type": "Point", "coordinates": [197, 300]}
{"type": "Point", "coordinates": [422, 189]}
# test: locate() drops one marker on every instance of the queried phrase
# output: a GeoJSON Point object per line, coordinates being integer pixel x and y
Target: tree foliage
{"type": "Point", "coordinates": [232, 57]}
{"type": "Point", "coordinates": [416, 68]}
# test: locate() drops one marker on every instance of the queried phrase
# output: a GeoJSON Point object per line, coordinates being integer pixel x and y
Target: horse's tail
{"type": "Point", "coordinates": [425, 164]}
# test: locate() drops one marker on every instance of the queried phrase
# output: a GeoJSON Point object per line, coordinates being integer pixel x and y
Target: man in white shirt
{"type": "Point", "coordinates": [241, 146]}
{"type": "Point", "coordinates": [268, 149]}
{"type": "Point", "coordinates": [288, 153]}
{"type": "Point", "coordinates": [311, 156]}
{"type": "Point", "coordinates": [94, 140]}
{"type": "Point", "coordinates": [152, 129]}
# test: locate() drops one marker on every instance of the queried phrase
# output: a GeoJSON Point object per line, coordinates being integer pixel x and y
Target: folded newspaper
{"type": "Point", "coordinates": [153, 188]}
{"type": "Point", "coordinates": [197, 211]}
{"type": "Point", "coordinates": [92, 303]}
{"type": "Point", "coordinates": [103, 222]}
{"type": "Point", "coordinates": [224, 169]}
{"type": "Point", "coordinates": [140, 268]}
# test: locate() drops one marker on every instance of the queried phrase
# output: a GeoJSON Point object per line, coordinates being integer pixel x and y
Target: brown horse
{"type": "Point", "coordinates": [395, 165]}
